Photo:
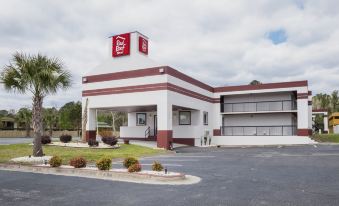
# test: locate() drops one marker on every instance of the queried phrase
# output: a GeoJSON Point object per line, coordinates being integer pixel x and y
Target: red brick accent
{"type": "Point", "coordinates": [302, 96]}
{"type": "Point", "coordinates": [304, 132]}
{"type": "Point", "coordinates": [261, 86]}
{"type": "Point", "coordinates": [175, 73]}
{"type": "Point", "coordinates": [164, 139]}
{"type": "Point", "coordinates": [216, 132]}
{"type": "Point", "coordinates": [319, 110]}
{"type": "Point", "coordinates": [187, 141]}
{"type": "Point", "coordinates": [150, 87]}
{"type": "Point", "coordinates": [91, 134]}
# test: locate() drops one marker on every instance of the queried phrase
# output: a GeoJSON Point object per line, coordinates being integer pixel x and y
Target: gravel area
{"type": "Point", "coordinates": [31, 159]}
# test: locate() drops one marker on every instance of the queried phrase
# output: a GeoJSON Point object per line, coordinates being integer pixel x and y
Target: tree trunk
{"type": "Point", "coordinates": [28, 130]}
{"type": "Point", "coordinates": [37, 125]}
{"type": "Point", "coordinates": [84, 122]}
{"type": "Point", "coordinates": [113, 122]}
{"type": "Point", "coordinates": [50, 130]}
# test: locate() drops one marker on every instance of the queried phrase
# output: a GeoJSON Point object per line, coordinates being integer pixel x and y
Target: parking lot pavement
{"type": "Point", "coordinates": [293, 175]}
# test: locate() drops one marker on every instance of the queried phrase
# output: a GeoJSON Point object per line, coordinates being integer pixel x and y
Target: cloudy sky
{"type": "Point", "coordinates": [218, 42]}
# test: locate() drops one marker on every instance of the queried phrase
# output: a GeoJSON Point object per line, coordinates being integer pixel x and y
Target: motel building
{"type": "Point", "coordinates": [168, 106]}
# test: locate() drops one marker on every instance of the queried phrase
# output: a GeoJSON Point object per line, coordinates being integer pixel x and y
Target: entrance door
{"type": "Point", "coordinates": [155, 125]}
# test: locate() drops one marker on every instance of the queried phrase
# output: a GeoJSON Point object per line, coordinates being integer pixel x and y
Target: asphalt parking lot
{"type": "Point", "coordinates": [294, 175]}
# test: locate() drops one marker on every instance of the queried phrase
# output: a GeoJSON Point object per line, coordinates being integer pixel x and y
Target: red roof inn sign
{"type": "Point", "coordinates": [143, 45]}
{"type": "Point", "coordinates": [121, 45]}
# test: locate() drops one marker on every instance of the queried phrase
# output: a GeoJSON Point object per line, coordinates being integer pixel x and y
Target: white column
{"type": "Point", "coordinates": [326, 122]}
{"type": "Point", "coordinates": [303, 119]}
{"type": "Point", "coordinates": [91, 120]}
{"type": "Point", "coordinates": [164, 112]}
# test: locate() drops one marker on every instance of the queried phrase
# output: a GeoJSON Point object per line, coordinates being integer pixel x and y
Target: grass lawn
{"type": "Point", "coordinates": [326, 137]}
{"type": "Point", "coordinates": [8, 152]}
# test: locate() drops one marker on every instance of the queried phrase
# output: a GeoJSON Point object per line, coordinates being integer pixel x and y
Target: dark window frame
{"type": "Point", "coordinates": [205, 113]}
{"type": "Point", "coordinates": [190, 117]}
{"type": "Point", "coordinates": [137, 122]}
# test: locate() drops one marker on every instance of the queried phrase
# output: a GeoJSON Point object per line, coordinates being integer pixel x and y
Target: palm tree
{"type": "Point", "coordinates": [40, 76]}
{"type": "Point", "coordinates": [25, 115]}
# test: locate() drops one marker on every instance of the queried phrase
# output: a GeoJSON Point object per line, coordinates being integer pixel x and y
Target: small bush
{"type": "Point", "coordinates": [93, 143]}
{"type": "Point", "coordinates": [130, 161]}
{"type": "Point", "coordinates": [55, 161]}
{"type": "Point", "coordinates": [157, 166]}
{"type": "Point", "coordinates": [78, 162]}
{"type": "Point", "coordinates": [65, 138]}
{"type": "Point", "coordinates": [109, 140]}
{"type": "Point", "coordinates": [45, 139]}
{"type": "Point", "coordinates": [104, 163]}
{"type": "Point", "coordinates": [134, 168]}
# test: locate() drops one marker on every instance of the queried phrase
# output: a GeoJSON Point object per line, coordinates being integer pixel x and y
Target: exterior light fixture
{"type": "Point", "coordinates": [162, 70]}
{"type": "Point", "coordinates": [84, 79]}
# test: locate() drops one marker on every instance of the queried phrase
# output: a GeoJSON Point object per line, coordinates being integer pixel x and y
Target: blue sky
{"type": "Point", "coordinates": [218, 42]}
{"type": "Point", "coordinates": [278, 36]}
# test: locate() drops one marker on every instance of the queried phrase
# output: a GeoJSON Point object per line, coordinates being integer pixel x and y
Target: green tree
{"type": "Point", "coordinates": [25, 115]}
{"type": "Point", "coordinates": [322, 101]}
{"type": "Point", "coordinates": [3, 113]}
{"type": "Point", "coordinates": [70, 116]}
{"type": "Point", "coordinates": [255, 82]}
{"type": "Point", "coordinates": [335, 101]}
{"type": "Point", "coordinates": [39, 75]}
{"type": "Point", "coordinates": [51, 117]}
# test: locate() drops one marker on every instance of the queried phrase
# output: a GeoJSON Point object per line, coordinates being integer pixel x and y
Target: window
{"type": "Point", "coordinates": [141, 119]}
{"type": "Point", "coordinates": [205, 118]}
{"type": "Point", "coordinates": [184, 118]}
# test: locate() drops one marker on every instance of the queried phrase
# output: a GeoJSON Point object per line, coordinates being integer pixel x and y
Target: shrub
{"type": "Point", "coordinates": [78, 162]}
{"type": "Point", "coordinates": [157, 166]}
{"type": "Point", "coordinates": [65, 138]}
{"type": "Point", "coordinates": [45, 139]}
{"type": "Point", "coordinates": [130, 161]}
{"type": "Point", "coordinates": [104, 163]}
{"type": "Point", "coordinates": [55, 161]}
{"type": "Point", "coordinates": [93, 143]}
{"type": "Point", "coordinates": [134, 168]}
{"type": "Point", "coordinates": [109, 140]}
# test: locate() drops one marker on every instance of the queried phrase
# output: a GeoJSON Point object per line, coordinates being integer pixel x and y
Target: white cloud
{"type": "Point", "coordinates": [217, 42]}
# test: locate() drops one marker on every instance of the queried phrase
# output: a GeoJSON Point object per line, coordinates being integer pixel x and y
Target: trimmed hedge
{"type": "Point", "coordinates": [109, 140]}
{"type": "Point", "coordinates": [104, 163]}
{"type": "Point", "coordinates": [65, 138]}
{"type": "Point", "coordinates": [55, 161]}
{"type": "Point", "coordinates": [45, 139]}
{"type": "Point", "coordinates": [78, 162]}
{"type": "Point", "coordinates": [130, 161]}
{"type": "Point", "coordinates": [134, 168]}
{"type": "Point", "coordinates": [157, 166]}
{"type": "Point", "coordinates": [93, 143]}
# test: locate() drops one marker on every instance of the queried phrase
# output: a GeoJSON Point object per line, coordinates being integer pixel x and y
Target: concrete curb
{"type": "Point", "coordinates": [180, 179]}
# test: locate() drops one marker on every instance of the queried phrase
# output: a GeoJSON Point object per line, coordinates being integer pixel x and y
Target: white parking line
{"type": "Point", "coordinates": [180, 156]}
{"type": "Point", "coordinates": [173, 165]}
{"type": "Point", "coordinates": [173, 160]}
